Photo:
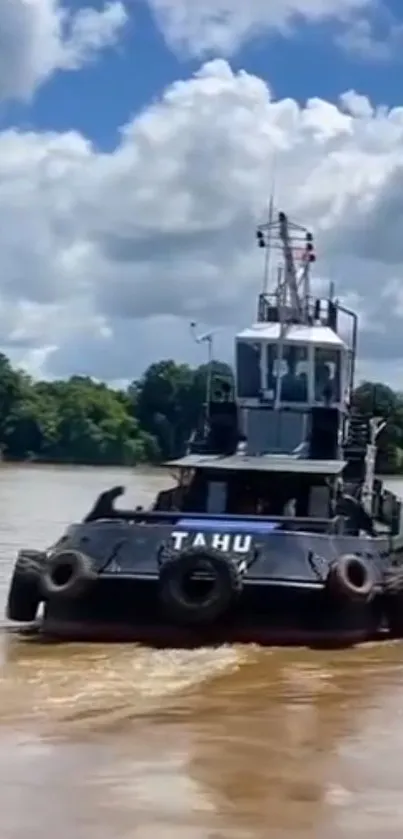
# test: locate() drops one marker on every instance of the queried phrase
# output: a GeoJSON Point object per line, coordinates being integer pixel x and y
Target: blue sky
{"type": "Point", "coordinates": [136, 140]}
{"type": "Point", "coordinates": [309, 62]}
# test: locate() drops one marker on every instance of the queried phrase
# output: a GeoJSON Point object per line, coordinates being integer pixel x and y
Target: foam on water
{"type": "Point", "coordinates": [73, 683]}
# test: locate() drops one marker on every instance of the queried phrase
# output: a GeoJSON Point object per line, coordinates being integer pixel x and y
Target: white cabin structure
{"type": "Point", "coordinates": [292, 361]}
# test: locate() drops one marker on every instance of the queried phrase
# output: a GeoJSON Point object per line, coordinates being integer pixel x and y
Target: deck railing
{"type": "Point", "coordinates": [309, 523]}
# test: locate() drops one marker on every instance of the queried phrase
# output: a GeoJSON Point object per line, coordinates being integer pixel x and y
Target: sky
{"type": "Point", "coordinates": [138, 143]}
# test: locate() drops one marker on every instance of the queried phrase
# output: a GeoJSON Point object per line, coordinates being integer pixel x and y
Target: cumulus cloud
{"type": "Point", "coordinates": [106, 257]}
{"type": "Point", "coordinates": [376, 37]}
{"type": "Point", "coordinates": [220, 26]}
{"type": "Point", "coordinates": [38, 37]}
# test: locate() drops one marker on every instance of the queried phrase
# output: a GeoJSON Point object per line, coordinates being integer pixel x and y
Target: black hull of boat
{"type": "Point", "coordinates": [126, 581]}
{"type": "Point", "coordinates": [123, 610]}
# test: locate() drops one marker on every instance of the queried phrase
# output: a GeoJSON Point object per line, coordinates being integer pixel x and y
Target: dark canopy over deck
{"type": "Point", "coordinates": [261, 463]}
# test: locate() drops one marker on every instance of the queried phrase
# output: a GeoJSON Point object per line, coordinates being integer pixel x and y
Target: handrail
{"type": "Point", "coordinates": [172, 517]}
{"type": "Point", "coordinates": [104, 509]}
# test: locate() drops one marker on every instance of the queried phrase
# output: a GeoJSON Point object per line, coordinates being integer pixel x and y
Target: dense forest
{"type": "Point", "coordinates": [83, 421]}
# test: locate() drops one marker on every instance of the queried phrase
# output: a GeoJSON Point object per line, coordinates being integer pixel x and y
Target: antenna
{"type": "Point", "coordinates": [270, 219]}
{"type": "Point", "coordinates": [205, 338]}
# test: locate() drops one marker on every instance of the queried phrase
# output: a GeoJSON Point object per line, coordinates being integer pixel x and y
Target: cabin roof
{"type": "Point", "coordinates": [294, 334]}
{"type": "Point", "coordinates": [259, 463]}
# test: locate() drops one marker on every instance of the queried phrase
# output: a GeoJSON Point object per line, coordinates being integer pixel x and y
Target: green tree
{"type": "Point", "coordinates": [377, 399]}
{"type": "Point", "coordinates": [83, 421]}
{"type": "Point", "coordinates": [169, 399]}
{"type": "Point", "coordinates": [11, 389]}
{"type": "Point", "coordinates": [78, 421]}
{"type": "Point", "coordinates": [161, 399]}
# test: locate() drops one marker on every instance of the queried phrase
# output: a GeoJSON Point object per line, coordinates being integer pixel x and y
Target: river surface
{"type": "Point", "coordinates": [121, 742]}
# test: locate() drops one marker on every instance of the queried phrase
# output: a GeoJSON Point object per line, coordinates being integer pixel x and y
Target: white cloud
{"type": "Point", "coordinates": [38, 37]}
{"type": "Point", "coordinates": [377, 38]}
{"type": "Point", "coordinates": [220, 26]}
{"type": "Point", "coordinates": [92, 31]}
{"type": "Point", "coordinates": [106, 257]}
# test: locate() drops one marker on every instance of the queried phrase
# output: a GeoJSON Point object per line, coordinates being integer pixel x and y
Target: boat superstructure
{"type": "Point", "coordinates": [294, 373]}
{"type": "Point", "coordinates": [289, 411]}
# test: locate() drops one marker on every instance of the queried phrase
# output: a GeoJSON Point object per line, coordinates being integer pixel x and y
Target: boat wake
{"type": "Point", "coordinates": [100, 685]}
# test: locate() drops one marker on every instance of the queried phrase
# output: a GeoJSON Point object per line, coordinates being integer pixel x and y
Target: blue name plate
{"type": "Point", "coordinates": [220, 526]}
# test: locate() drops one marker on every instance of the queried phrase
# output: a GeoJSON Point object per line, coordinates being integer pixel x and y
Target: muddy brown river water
{"type": "Point", "coordinates": [121, 742]}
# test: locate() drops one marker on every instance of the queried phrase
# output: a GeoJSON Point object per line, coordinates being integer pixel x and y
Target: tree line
{"type": "Point", "coordinates": [83, 421]}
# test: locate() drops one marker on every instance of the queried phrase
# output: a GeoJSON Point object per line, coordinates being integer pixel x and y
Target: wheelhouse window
{"type": "Point", "coordinates": [248, 369]}
{"type": "Point", "coordinates": [292, 369]}
{"type": "Point", "coordinates": [327, 375]}
{"type": "Point", "coordinates": [217, 497]}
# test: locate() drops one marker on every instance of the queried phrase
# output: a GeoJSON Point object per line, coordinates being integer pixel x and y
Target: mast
{"type": "Point", "coordinates": [291, 302]}
{"type": "Point", "coordinates": [291, 279]}
{"type": "Point", "coordinates": [293, 241]}
{"type": "Point", "coordinates": [376, 425]}
{"type": "Point", "coordinates": [266, 275]}
{"type": "Point", "coordinates": [206, 338]}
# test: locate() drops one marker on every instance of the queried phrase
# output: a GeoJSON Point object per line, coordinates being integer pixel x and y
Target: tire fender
{"type": "Point", "coordinates": [350, 576]}
{"type": "Point", "coordinates": [226, 585]}
{"type": "Point", "coordinates": [24, 595]}
{"type": "Point", "coordinates": [68, 574]}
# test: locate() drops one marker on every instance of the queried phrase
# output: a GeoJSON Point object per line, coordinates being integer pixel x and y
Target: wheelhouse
{"type": "Point", "coordinates": [312, 368]}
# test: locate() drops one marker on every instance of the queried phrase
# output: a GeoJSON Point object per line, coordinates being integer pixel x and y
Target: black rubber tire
{"type": "Point", "coordinates": [24, 595]}
{"type": "Point", "coordinates": [393, 612]}
{"type": "Point", "coordinates": [393, 600]}
{"type": "Point", "coordinates": [226, 588]}
{"type": "Point", "coordinates": [351, 577]}
{"type": "Point", "coordinates": [76, 577]}
{"type": "Point", "coordinates": [393, 580]}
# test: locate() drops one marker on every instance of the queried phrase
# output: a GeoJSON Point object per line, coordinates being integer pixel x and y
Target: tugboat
{"type": "Point", "coordinates": [277, 530]}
